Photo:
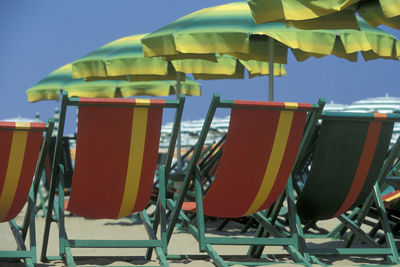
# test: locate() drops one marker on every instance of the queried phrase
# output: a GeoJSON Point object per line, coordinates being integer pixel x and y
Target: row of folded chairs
{"type": "Point", "coordinates": [281, 168]}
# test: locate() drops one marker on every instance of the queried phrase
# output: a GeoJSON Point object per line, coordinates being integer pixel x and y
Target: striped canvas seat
{"type": "Point", "coordinates": [350, 159]}
{"type": "Point", "coordinates": [19, 146]}
{"type": "Point", "coordinates": [125, 145]}
{"type": "Point", "coordinates": [266, 142]}
{"type": "Point", "coordinates": [115, 162]}
{"type": "Point", "coordinates": [20, 162]}
{"type": "Point", "coordinates": [259, 153]}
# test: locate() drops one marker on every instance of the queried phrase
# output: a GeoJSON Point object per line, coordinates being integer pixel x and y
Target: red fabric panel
{"type": "Point", "coordinates": [241, 169]}
{"type": "Point", "coordinates": [5, 147]}
{"type": "Point", "coordinates": [7, 125]}
{"type": "Point", "coordinates": [102, 151]}
{"type": "Point", "coordinates": [266, 104]}
{"type": "Point", "coordinates": [157, 102]}
{"type": "Point", "coordinates": [292, 148]}
{"type": "Point", "coordinates": [153, 131]}
{"type": "Point", "coordinates": [367, 155]}
{"type": "Point", "coordinates": [116, 101]}
{"type": "Point", "coordinates": [31, 154]}
{"type": "Point", "coordinates": [38, 126]}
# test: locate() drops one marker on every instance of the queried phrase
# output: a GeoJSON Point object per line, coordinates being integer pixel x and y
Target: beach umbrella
{"type": "Point", "coordinates": [124, 58]}
{"type": "Point", "coordinates": [385, 104]}
{"type": "Point", "coordinates": [61, 80]}
{"type": "Point", "coordinates": [334, 14]}
{"type": "Point", "coordinates": [230, 29]}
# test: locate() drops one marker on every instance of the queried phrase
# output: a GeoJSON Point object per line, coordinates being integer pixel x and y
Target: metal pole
{"type": "Point", "coordinates": [178, 141]}
{"type": "Point", "coordinates": [271, 69]}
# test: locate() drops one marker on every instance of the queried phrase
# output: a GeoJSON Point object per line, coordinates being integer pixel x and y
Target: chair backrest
{"type": "Point", "coordinates": [350, 153]}
{"type": "Point", "coordinates": [20, 144]}
{"type": "Point", "coordinates": [116, 154]}
{"type": "Point", "coordinates": [259, 152]}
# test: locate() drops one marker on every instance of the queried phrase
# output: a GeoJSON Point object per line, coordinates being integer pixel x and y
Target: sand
{"type": "Point", "coordinates": [181, 243]}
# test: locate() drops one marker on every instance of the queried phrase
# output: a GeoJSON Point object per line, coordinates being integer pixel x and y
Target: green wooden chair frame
{"type": "Point", "coordinates": [153, 106]}
{"type": "Point", "coordinates": [290, 243]}
{"type": "Point", "coordinates": [66, 160]}
{"type": "Point", "coordinates": [27, 148]}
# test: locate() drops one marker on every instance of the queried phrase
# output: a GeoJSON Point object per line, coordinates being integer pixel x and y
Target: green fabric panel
{"type": "Point", "coordinates": [334, 165]}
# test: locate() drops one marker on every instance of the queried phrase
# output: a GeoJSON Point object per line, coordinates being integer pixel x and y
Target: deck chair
{"type": "Point", "coordinates": [259, 152]}
{"type": "Point", "coordinates": [22, 153]}
{"type": "Point", "coordinates": [116, 156]}
{"type": "Point", "coordinates": [350, 160]}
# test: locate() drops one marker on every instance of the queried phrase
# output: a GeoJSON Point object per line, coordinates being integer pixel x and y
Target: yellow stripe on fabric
{"type": "Point", "coordinates": [392, 197]}
{"type": "Point", "coordinates": [274, 163]}
{"type": "Point", "coordinates": [23, 125]}
{"type": "Point", "coordinates": [291, 105]}
{"type": "Point", "coordinates": [14, 168]}
{"type": "Point", "coordinates": [136, 151]}
{"type": "Point", "coordinates": [143, 102]}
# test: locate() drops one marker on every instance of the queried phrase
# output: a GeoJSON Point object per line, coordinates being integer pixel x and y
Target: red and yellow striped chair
{"type": "Point", "coordinates": [260, 150]}
{"type": "Point", "coordinates": [116, 156]}
{"type": "Point", "coordinates": [350, 160]}
{"type": "Point", "coordinates": [22, 147]}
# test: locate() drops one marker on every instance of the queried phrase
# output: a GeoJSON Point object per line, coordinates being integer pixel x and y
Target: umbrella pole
{"type": "Point", "coordinates": [178, 141]}
{"type": "Point", "coordinates": [271, 69]}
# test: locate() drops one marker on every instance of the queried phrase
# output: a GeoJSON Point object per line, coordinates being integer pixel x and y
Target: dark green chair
{"type": "Point", "coordinates": [259, 152]}
{"type": "Point", "coordinates": [22, 153]}
{"type": "Point", "coordinates": [116, 159]}
{"type": "Point", "coordinates": [350, 160]}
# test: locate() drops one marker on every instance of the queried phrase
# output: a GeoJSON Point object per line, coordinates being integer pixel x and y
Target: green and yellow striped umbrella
{"type": "Point", "coordinates": [61, 79]}
{"type": "Point", "coordinates": [124, 57]}
{"type": "Point", "coordinates": [230, 29]}
{"type": "Point", "coordinates": [334, 14]}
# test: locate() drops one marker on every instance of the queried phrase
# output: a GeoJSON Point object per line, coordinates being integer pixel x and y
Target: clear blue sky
{"type": "Point", "coordinates": [38, 37]}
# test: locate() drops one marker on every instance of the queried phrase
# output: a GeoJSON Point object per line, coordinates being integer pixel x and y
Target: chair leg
{"type": "Point", "coordinates": [151, 233]}
{"type": "Point", "coordinates": [223, 224]}
{"type": "Point", "coordinates": [42, 203]}
{"type": "Point", "coordinates": [385, 224]}
{"type": "Point", "coordinates": [49, 220]}
{"type": "Point", "coordinates": [53, 207]}
{"type": "Point", "coordinates": [339, 230]}
{"type": "Point", "coordinates": [353, 223]}
{"type": "Point", "coordinates": [160, 215]}
{"type": "Point", "coordinates": [296, 228]}
{"type": "Point", "coordinates": [60, 218]}
{"type": "Point", "coordinates": [272, 214]}
{"type": "Point", "coordinates": [32, 226]}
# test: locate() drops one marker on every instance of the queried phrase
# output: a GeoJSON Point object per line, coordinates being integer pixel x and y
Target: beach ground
{"type": "Point", "coordinates": [181, 243]}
